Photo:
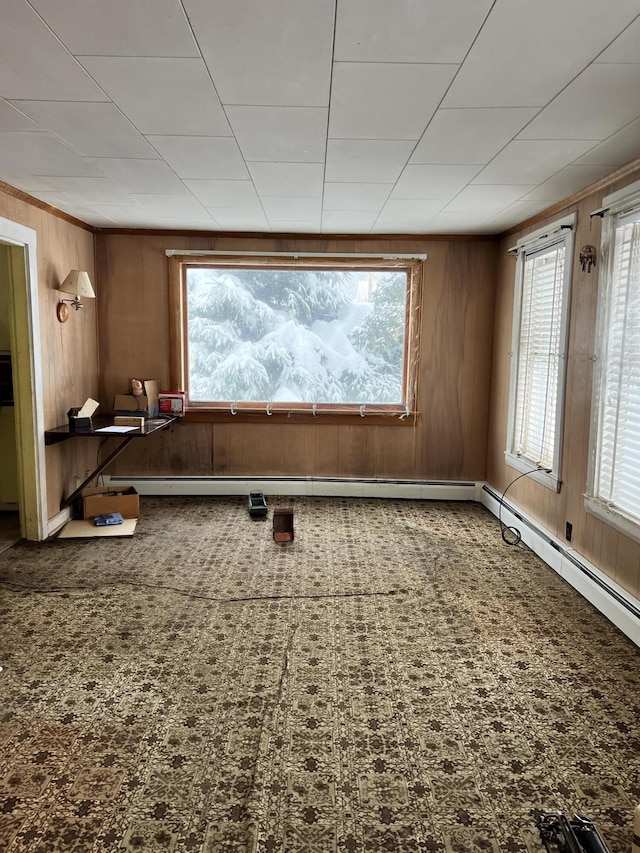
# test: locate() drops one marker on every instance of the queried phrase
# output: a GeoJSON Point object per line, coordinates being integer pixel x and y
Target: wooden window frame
{"type": "Point", "coordinates": [391, 415]}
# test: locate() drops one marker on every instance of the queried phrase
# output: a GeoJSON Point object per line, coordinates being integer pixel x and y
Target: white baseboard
{"type": "Point", "coordinates": [54, 524]}
{"type": "Point", "coordinates": [303, 487]}
{"type": "Point", "coordinates": [615, 603]}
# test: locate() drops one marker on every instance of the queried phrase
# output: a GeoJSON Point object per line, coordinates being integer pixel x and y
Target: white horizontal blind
{"type": "Point", "coordinates": [539, 352]}
{"type": "Point", "coordinates": [617, 464]}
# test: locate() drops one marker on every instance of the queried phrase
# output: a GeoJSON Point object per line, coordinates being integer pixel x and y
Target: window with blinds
{"type": "Point", "coordinates": [538, 353]}
{"type": "Point", "coordinates": [614, 482]}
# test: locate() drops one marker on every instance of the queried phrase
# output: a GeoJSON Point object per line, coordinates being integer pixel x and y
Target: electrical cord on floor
{"type": "Point", "coordinates": [517, 536]}
{"type": "Point", "coordinates": [16, 587]}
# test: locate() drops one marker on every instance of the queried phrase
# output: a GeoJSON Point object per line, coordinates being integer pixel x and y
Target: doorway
{"type": "Point", "coordinates": [23, 443]}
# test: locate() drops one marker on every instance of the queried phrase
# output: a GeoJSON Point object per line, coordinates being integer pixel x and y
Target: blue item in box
{"type": "Point", "coordinates": [107, 518]}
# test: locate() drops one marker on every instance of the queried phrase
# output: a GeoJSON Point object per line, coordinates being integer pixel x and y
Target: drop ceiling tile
{"type": "Point", "coordinates": [126, 215]}
{"type": "Point", "coordinates": [140, 176]}
{"type": "Point", "coordinates": [20, 178]}
{"type": "Point", "coordinates": [35, 65]}
{"type": "Point", "coordinates": [42, 154]}
{"type": "Point", "coordinates": [280, 134]}
{"type": "Point", "coordinates": [348, 221]}
{"type": "Point", "coordinates": [12, 119]}
{"type": "Point", "coordinates": [450, 222]}
{"type": "Point", "coordinates": [596, 104]}
{"type": "Point", "coordinates": [173, 206]}
{"type": "Point", "coordinates": [470, 135]}
{"type": "Point", "coordinates": [93, 129]}
{"type": "Point", "coordinates": [409, 213]}
{"type": "Point", "coordinates": [295, 226]}
{"type": "Point", "coordinates": [515, 214]}
{"type": "Point", "coordinates": [288, 179]}
{"type": "Point", "coordinates": [292, 208]}
{"type": "Point", "coordinates": [486, 200]}
{"type": "Point", "coordinates": [186, 224]}
{"type": "Point", "coordinates": [406, 31]}
{"type": "Point", "coordinates": [92, 190]}
{"type": "Point", "coordinates": [366, 160]}
{"type": "Point", "coordinates": [63, 202]}
{"type": "Point", "coordinates": [385, 101]}
{"type": "Point", "coordinates": [239, 219]}
{"type": "Point", "coordinates": [355, 197]}
{"type": "Point", "coordinates": [120, 27]}
{"type": "Point", "coordinates": [98, 221]}
{"type": "Point", "coordinates": [566, 182]}
{"type": "Point", "coordinates": [531, 161]}
{"type": "Point", "coordinates": [441, 182]}
{"type": "Point", "coordinates": [527, 52]}
{"type": "Point", "coordinates": [265, 53]}
{"type": "Point", "coordinates": [161, 95]}
{"type": "Point", "coordinates": [201, 157]}
{"type": "Point", "coordinates": [224, 194]}
{"type": "Point", "coordinates": [625, 48]}
{"type": "Point", "coordinates": [617, 150]}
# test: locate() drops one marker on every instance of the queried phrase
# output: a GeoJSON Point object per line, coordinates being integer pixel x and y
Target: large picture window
{"type": "Point", "coordinates": [541, 307]}
{"type": "Point", "coordinates": [303, 336]}
{"type": "Point", "coordinates": [614, 480]}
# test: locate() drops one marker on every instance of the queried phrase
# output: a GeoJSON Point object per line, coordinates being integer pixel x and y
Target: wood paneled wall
{"type": "Point", "coordinates": [70, 366]}
{"type": "Point", "coordinates": [615, 554]}
{"type": "Point", "coordinates": [449, 440]}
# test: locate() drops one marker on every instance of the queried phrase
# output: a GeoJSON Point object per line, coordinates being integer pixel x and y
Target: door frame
{"type": "Point", "coordinates": [26, 356]}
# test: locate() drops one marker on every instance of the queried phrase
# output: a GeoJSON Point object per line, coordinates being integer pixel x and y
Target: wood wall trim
{"type": "Point", "coordinates": [575, 199]}
{"type": "Point", "coordinates": [274, 236]}
{"type": "Point", "coordinates": [14, 192]}
{"type": "Point", "coordinates": [280, 418]}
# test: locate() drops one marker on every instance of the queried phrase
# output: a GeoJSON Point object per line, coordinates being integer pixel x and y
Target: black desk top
{"type": "Point", "coordinates": [62, 432]}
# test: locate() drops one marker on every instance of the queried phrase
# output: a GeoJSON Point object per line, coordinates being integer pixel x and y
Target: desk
{"type": "Point", "coordinates": [63, 433]}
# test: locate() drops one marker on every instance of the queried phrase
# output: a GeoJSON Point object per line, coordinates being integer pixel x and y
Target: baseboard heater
{"type": "Point", "coordinates": [614, 602]}
{"type": "Point", "coordinates": [446, 490]}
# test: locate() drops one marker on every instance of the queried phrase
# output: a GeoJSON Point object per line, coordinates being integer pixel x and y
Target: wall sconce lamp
{"type": "Point", "coordinates": [79, 284]}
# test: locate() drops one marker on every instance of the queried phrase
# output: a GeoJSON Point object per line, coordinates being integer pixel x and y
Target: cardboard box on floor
{"type": "Point", "coordinates": [122, 499]}
{"type": "Point", "coordinates": [145, 405]}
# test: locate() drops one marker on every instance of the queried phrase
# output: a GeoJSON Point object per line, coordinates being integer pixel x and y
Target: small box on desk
{"type": "Point", "coordinates": [172, 403]}
{"type": "Point", "coordinates": [99, 501]}
{"type": "Point", "coordinates": [80, 418]}
{"type": "Point", "coordinates": [125, 420]}
{"type": "Point", "coordinates": [78, 424]}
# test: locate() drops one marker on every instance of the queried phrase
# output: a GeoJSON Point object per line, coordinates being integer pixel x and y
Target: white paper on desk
{"type": "Point", "coordinates": [88, 408]}
{"type": "Point", "coordinates": [115, 429]}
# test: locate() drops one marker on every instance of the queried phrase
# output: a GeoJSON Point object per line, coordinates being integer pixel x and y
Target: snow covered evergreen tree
{"type": "Point", "coordinates": [291, 335]}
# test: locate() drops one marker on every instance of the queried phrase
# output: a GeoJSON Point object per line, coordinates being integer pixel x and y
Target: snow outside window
{"type": "Point", "coordinates": [541, 307]}
{"type": "Point", "coordinates": [614, 481]}
{"type": "Point", "coordinates": [287, 336]}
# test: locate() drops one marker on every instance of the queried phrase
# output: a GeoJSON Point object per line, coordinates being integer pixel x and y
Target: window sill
{"type": "Point", "coordinates": [218, 416]}
{"type": "Point", "coordinates": [613, 517]}
{"type": "Point", "coordinates": [550, 481]}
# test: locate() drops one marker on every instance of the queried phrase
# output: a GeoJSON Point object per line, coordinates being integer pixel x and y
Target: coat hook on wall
{"type": "Point", "coordinates": [587, 258]}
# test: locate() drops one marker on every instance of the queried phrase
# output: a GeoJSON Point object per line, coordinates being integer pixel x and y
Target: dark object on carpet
{"type": "Point", "coordinates": [257, 505]}
{"type": "Point", "coordinates": [561, 835]}
{"type": "Point", "coordinates": [283, 525]}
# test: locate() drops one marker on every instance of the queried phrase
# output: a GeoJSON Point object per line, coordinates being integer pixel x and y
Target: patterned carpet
{"type": "Point", "coordinates": [396, 679]}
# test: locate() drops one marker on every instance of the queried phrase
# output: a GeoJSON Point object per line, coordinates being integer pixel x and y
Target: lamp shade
{"type": "Point", "coordinates": [78, 283]}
